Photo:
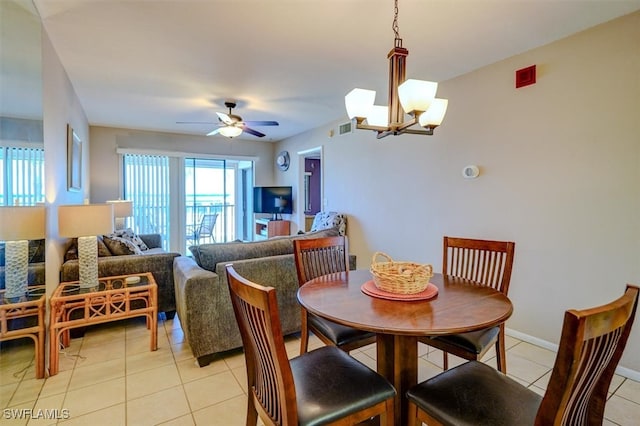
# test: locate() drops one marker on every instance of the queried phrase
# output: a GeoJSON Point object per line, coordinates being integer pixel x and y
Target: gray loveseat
{"type": "Point", "coordinates": [112, 263]}
{"type": "Point", "coordinates": [202, 295]}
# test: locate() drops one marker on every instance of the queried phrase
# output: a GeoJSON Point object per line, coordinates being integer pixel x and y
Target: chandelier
{"type": "Point", "coordinates": [415, 97]}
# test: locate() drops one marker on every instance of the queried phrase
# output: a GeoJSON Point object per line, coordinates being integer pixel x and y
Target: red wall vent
{"type": "Point", "coordinates": [526, 76]}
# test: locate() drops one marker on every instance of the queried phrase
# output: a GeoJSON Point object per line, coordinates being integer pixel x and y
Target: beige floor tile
{"type": "Point", "coordinates": [149, 360]}
{"type": "Point", "coordinates": [534, 353]}
{"type": "Point", "coordinates": [190, 371]}
{"type": "Point", "coordinates": [49, 411]}
{"type": "Point", "coordinates": [87, 375]}
{"type": "Point", "coordinates": [622, 411]}
{"type": "Point", "coordinates": [525, 369]}
{"type": "Point", "coordinates": [630, 390]}
{"type": "Point", "coordinates": [365, 359]}
{"type": "Point", "coordinates": [6, 392]}
{"type": "Point", "coordinates": [57, 384]}
{"type": "Point", "coordinates": [212, 390]}
{"type": "Point", "coordinates": [427, 370]}
{"type": "Point", "coordinates": [235, 359]}
{"type": "Point", "coordinates": [186, 420]}
{"type": "Point", "coordinates": [151, 381]}
{"type": "Point", "coordinates": [228, 413]}
{"type": "Point", "coordinates": [27, 390]}
{"type": "Point", "coordinates": [158, 407]}
{"type": "Point", "coordinates": [543, 381]}
{"type": "Point", "coordinates": [240, 373]}
{"type": "Point", "coordinates": [96, 397]}
{"type": "Point", "coordinates": [93, 355]}
{"type": "Point", "coordinates": [110, 416]}
{"type": "Point", "coordinates": [181, 351]}
{"type": "Point", "coordinates": [175, 336]}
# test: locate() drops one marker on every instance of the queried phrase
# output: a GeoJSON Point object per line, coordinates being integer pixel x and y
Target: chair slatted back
{"type": "Point", "coordinates": [207, 224]}
{"type": "Point", "coordinates": [269, 376]}
{"type": "Point", "coordinates": [590, 348]}
{"type": "Point", "coordinates": [320, 256]}
{"type": "Point", "coordinates": [486, 262]}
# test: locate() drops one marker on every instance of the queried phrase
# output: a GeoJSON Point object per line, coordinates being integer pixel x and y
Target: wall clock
{"type": "Point", "coordinates": [282, 161]}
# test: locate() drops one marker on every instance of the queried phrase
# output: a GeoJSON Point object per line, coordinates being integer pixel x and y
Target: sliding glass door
{"type": "Point", "coordinates": [188, 200]}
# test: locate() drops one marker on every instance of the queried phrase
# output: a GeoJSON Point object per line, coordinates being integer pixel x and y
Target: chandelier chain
{"type": "Point", "coordinates": [395, 26]}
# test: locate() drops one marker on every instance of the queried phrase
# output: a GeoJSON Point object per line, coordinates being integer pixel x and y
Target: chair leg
{"type": "Point", "coordinates": [445, 361]}
{"type": "Point", "coordinates": [252, 413]}
{"type": "Point", "coordinates": [304, 332]}
{"type": "Point", "coordinates": [388, 417]}
{"type": "Point", "coordinates": [412, 415]}
{"type": "Point", "coordinates": [501, 353]}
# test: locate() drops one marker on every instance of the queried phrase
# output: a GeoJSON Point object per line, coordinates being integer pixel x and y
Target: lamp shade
{"type": "Point", "coordinates": [22, 223]}
{"type": "Point", "coordinates": [230, 131]}
{"type": "Point", "coordinates": [81, 220]}
{"type": "Point", "coordinates": [417, 95]}
{"type": "Point", "coordinates": [435, 114]}
{"type": "Point", "coordinates": [359, 102]}
{"type": "Point", "coordinates": [378, 116]}
{"type": "Point", "coordinates": [122, 208]}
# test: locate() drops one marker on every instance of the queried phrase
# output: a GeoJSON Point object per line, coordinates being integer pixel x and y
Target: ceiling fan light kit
{"type": "Point", "coordinates": [415, 97]}
{"type": "Point", "coordinates": [232, 125]}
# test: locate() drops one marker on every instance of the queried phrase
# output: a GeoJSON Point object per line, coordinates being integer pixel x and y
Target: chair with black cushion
{"type": "Point", "coordinates": [591, 345]}
{"type": "Point", "coordinates": [323, 256]}
{"type": "Point", "coordinates": [488, 263]}
{"type": "Point", "coordinates": [324, 386]}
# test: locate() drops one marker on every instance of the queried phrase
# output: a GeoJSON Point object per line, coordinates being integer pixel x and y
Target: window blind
{"type": "Point", "coordinates": [21, 175]}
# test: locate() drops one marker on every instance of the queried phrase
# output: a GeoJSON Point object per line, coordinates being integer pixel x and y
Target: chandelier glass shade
{"type": "Point", "coordinates": [417, 98]}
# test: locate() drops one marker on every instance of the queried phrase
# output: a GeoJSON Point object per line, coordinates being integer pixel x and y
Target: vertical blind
{"type": "Point", "coordinates": [146, 183]}
{"type": "Point", "coordinates": [21, 176]}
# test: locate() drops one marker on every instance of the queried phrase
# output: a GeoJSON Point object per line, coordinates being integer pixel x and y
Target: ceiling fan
{"type": "Point", "coordinates": [232, 125]}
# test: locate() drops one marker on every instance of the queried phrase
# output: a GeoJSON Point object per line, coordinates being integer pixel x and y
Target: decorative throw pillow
{"type": "Point", "coordinates": [120, 246]}
{"type": "Point", "coordinates": [129, 235]}
{"type": "Point", "coordinates": [103, 250]}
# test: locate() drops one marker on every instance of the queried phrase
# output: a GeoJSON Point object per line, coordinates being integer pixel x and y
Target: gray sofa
{"type": "Point", "coordinates": [111, 263]}
{"type": "Point", "coordinates": [202, 295]}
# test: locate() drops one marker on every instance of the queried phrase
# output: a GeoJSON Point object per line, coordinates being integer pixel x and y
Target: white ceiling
{"type": "Point", "coordinates": [147, 64]}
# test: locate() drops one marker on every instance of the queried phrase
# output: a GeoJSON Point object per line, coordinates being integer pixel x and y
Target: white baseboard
{"type": "Point", "coordinates": [622, 371]}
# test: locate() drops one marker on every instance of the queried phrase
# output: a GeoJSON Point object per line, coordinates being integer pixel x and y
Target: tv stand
{"type": "Point", "coordinates": [267, 228]}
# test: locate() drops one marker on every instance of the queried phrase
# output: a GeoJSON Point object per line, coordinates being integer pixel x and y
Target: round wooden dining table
{"type": "Point", "coordinates": [459, 306]}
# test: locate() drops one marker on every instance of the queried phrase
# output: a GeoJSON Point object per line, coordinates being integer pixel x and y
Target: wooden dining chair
{"type": "Point", "coordinates": [488, 263]}
{"type": "Point", "coordinates": [324, 386]}
{"type": "Point", "coordinates": [322, 256]}
{"type": "Point", "coordinates": [590, 348]}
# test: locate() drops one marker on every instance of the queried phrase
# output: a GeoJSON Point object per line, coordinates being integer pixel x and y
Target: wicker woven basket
{"type": "Point", "coordinates": [400, 277]}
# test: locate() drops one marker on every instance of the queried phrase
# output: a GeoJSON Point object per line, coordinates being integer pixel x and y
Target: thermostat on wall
{"type": "Point", "coordinates": [470, 172]}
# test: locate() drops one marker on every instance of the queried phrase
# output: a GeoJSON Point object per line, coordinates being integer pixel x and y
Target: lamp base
{"type": "Point", "coordinates": [16, 268]}
{"type": "Point", "coordinates": [88, 262]}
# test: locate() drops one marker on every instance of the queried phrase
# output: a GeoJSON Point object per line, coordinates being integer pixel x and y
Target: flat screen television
{"type": "Point", "coordinates": [276, 200]}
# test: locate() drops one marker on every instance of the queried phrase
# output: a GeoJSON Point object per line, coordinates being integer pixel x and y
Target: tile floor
{"type": "Point", "coordinates": [110, 377]}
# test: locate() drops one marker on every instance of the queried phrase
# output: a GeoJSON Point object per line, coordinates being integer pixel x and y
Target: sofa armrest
{"type": "Point", "coordinates": [197, 299]}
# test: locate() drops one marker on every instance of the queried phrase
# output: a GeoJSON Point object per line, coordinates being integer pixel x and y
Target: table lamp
{"type": "Point", "coordinates": [86, 221]}
{"type": "Point", "coordinates": [122, 209]}
{"type": "Point", "coordinates": [18, 225]}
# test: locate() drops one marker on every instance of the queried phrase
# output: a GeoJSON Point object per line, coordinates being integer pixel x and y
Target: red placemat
{"type": "Point", "coordinates": [369, 288]}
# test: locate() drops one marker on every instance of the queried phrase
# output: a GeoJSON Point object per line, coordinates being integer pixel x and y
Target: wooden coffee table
{"type": "Point", "coordinates": [31, 305]}
{"type": "Point", "coordinates": [73, 307]}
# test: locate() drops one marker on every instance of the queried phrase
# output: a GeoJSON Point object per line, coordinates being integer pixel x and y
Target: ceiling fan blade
{"type": "Point", "coordinates": [261, 123]}
{"type": "Point", "coordinates": [253, 132]}
{"type": "Point", "coordinates": [225, 118]}
{"type": "Point", "coordinates": [214, 132]}
{"type": "Point", "coordinates": [195, 122]}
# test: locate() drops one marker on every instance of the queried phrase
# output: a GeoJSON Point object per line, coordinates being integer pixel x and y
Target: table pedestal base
{"type": "Point", "coordinates": [397, 358]}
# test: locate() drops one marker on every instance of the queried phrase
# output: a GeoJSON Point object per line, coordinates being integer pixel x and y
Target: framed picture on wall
{"type": "Point", "coordinates": [74, 160]}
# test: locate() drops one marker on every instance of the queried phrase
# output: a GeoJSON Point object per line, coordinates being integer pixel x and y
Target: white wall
{"type": "Point", "coordinates": [60, 107]}
{"type": "Point", "coordinates": [560, 176]}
